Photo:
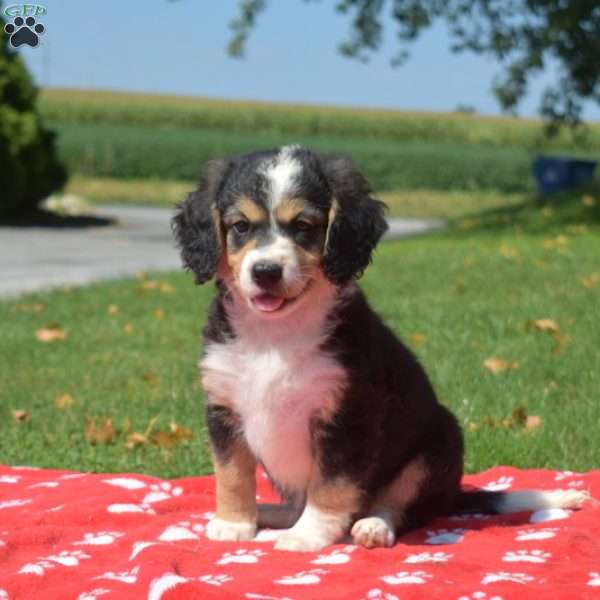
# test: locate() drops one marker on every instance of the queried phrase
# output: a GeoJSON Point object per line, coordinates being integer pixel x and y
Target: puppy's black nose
{"type": "Point", "coordinates": [266, 274]}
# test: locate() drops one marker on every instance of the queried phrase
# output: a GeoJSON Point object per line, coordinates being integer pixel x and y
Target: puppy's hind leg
{"type": "Point", "coordinates": [387, 513]}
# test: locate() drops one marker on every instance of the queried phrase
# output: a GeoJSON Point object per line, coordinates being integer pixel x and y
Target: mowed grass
{"type": "Point", "coordinates": [458, 298]}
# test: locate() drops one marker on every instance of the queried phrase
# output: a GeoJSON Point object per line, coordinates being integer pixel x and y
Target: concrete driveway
{"type": "Point", "coordinates": [34, 258]}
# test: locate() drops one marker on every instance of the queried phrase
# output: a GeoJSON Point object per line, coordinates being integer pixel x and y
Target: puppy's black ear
{"type": "Point", "coordinates": [197, 225]}
{"type": "Point", "coordinates": [356, 221]}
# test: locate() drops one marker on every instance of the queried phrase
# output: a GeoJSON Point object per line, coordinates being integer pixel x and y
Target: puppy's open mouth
{"type": "Point", "coordinates": [270, 303]}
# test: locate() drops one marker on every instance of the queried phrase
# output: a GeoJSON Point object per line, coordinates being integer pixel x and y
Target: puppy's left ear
{"type": "Point", "coordinates": [356, 221]}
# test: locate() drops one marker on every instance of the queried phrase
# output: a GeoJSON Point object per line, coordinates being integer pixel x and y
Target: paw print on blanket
{"type": "Point", "coordinates": [594, 579]}
{"type": "Point", "coordinates": [445, 536]}
{"type": "Point", "coordinates": [93, 594]}
{"type": "Point", "coordinates": [216, 580]}
{"type": "Point", "coordinates": [521, 578]}
{"type": "Point", "coordinates": [335, 557]}
{"type": "Point", "coordinates": [3, 594]}
{"type": "Point", "coordinates": [184, 530]}
{"type": "Point", "coordinates": [100, 538]}
{"type": "Point", "coordinates": [10, 478]}
{"type": "Point", "coordinates": [377, 594]}
{"type": "Point", "coordinates": [122, 576]}
{"type": "Point", "coordinates": [500, 484]}
{"type": "Point", "coordinates": [65, 558]}
{"type": "Point", "coordinates": [480, 596]}
{"type": "Point", "coordinates": [407, 577]}
{"type": "Point", "coordinates": [130, 508]}
{"type": "Point", "coordinates": [241, 556]}
{"type": "Point", "coordinates": [526, 535]}
{"type": "Point", "coordinates": [311, 577]}
{"type": "Point", "coordinates": [532, 556]}
{"type": "Point", "coordinates": [438, 557]}
{"type": "Point", "coordinates": [161, 491]}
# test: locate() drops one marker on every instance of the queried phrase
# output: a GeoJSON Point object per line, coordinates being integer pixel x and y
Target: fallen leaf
{"type": "Point", "coordinates": [63, 401]}
{"type": "Point", "coordinates": [417, 339]}
{"type": "Point", "coordinates": [166, 288]}
{"type": "Point", "coordinates": [100, 434]}
{"type": "Point", "coordinates": [135, 439]}
{"type": "Point", "coordinates": [181, 432]}
{"type": "Point", "coordinates": [151, 378]}
{"type": "Point", "coordinates": [546, 325]}
{"type": "Point", "coordinates": [113, 309]}
{"type": "Point", "coordinates": [50, 334]}
{"type": "Point", "coordinates": [519, 416]}
{"type": "Point", "coordinates": [159, 314]}
{"type": "Point", "coordinates": [20, 415]}
{"type": "Point", "coordinates": [497, 365]}
{"type": "Point", "coordinates": [532, 422]}
{"type": "Point", "coordinates": [590, 281]}
{"type": "Point", "coordinates": [588, 200]}
{"type": "Point", "coordinates": [128, 328]}
{"type": "Point", "coordinates": [147, 285]}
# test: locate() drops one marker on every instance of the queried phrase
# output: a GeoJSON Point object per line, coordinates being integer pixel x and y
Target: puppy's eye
{"type": "Point", "coordinates": [302, 226]}
{"type": "Point", "coordinates": [241, 226]}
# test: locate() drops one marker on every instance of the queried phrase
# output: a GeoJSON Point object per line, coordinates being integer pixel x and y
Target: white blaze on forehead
{"type": "Point", "coordinates": [281, 175]}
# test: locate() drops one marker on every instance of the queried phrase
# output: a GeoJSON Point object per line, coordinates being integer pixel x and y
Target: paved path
{"type": "Point", "coordinates": [33, 258]}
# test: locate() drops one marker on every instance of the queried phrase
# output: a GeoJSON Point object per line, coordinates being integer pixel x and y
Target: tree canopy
{"type": "Point", "coordinates": [524, 36]}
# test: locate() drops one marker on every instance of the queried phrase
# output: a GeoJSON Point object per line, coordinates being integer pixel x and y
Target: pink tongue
{"type": "Point", "coordinates": [267, 302]}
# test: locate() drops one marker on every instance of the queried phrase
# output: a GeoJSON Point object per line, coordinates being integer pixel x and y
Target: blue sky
{"type": "Point", "coordinates": [179, 47]}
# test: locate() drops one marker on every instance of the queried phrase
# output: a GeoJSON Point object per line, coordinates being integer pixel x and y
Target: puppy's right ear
{"type": "Point", "coordinates": [197, 225]}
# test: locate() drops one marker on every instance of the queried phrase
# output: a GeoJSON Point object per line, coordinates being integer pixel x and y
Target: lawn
{"type": "Point", "coordinates": [520, 283]}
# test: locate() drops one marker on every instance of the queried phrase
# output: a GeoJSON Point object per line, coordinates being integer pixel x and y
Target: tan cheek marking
{"type": "Point", "coordinates": [308, 260]}
{"type": "Point", "coordinates": [235, 259]}
{"type": "Point", "coordinates": [252, 211]}
{"type": "Point", "coordinates": [289, 209]}
{"type": "Point", "coordinates": [236, 485]}
{"type": "Point", "coordinates": [330, 219]}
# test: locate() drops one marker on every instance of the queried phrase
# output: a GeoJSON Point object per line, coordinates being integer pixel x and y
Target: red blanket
{"type": "Point", "coordinates": [66, 535]}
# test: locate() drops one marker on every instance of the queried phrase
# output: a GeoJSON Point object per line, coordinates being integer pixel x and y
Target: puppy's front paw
{"type": "Point", "coordinates": [230, 531]}
{"type": "Point", "coordinates": [373, 532]}
{"type": "Point", "coordinates": [289, 540]}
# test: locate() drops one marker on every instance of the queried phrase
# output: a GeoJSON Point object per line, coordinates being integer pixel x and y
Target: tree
{"type": "Point", "coordinates": [29, 168]}
{"type": "Point", "coordinates": [523, 35]}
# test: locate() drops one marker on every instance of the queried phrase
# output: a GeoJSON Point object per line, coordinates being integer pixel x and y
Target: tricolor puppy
{"type": "Point", "coordinates": [301, 375]}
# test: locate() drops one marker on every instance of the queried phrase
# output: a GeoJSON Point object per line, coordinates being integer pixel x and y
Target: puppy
{"type": "Point", "coordinates": [301, 376]}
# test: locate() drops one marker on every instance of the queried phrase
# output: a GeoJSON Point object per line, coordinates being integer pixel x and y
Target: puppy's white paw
{"type": "Point", "coordinates": [295, 542]}
{"type": "Point", "coordinates": [373, 532]}
{"type": "Point", "coordinates": [230, 531]}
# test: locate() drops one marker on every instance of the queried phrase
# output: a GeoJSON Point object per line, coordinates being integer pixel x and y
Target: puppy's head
{"type": "Point", "coordinates": [272, 224]}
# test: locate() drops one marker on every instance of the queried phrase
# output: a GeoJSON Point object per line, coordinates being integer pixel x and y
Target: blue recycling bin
{"type": "Point", "coordinates": [555, 174]}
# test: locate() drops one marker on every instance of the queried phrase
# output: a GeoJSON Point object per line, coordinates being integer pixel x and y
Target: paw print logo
{"type": "Point", "coordinates": [161, 491]}
{"type": "Point", "coordinates": [532, 556]}
{"type": "Point", "coordinates": [241, 556]}
{"type": "Point", "coordinates": [216, 580]}
{"type": "Point", "coordinates": [377, 594]}
{"type": "Point", "coordinates": [437, 557]}
{"type": "Point", "coordinates": [527, 535]}
{"type": "Point", "coordinates": [502, 483]}
{"type": "Point", "coordinates": [479, 596]}
{"type": "Point", "coordinates": [594, 579]}
{"type": "Point", "coordinates": [184, 530]}
{"type": "Point", "coordinates": [521, 578]}
{"type": "Point", "coordinates": [407, 577]}
{"type": "Point", "coordinates": [303, 578]}
{"type": "Point", "coordinates": [24, 31]}
{"type": "Point", "coordinates": [335, 557]}
{"type": "Point", "coordinates": [445, 536]}
{"type": "Point", "coordinates": [68, 558]}
{"type": "Point", "coordinates": [101, 538]}
{"type": "Point", "coordinates": [91, 595]}
{"type": "Point", "coordinates": [565, 475]}
{"type": "Point", "coordinates": [122, 576]}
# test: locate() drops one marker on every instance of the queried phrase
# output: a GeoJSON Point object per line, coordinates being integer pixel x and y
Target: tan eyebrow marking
{"type": "Point", "coordinates": [252, 211]}
{"type": "Point", "coordinates": [289, 209]}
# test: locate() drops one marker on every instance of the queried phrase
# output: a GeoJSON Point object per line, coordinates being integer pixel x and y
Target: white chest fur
{"type": "Point", "coordinates": [276, 389]}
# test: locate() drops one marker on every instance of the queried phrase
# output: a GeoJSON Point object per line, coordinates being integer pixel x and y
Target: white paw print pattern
{"type": "Point", "coordinates": [10, 478]}
{"type": "Point", "coordinates": [92, 594]}
{"type": "Point", "coordinates": [521, 578]}
{"type": "Point", "coordinates": [527, 535]}
{"type": "Point", "coordinates": [184, 530]}
{"type": "Point", "coordinates": [594, 579]}
{"type": "Point", "coordinates": [480, 596]}
{"type": "Point", "coordinates": [407, 577]}
{"type": "Point", "coordinates": [100, 538]}
{"type": "Point", "coordinates": [130, 508]}
{"type": "Point", "coordinates": [436, 557]}
{"type": "Point", "coordinates": [128, 483]}
{"type": "Point", "coordinates": [216, 580]}
{"type": "Point", "coordinates": [335, 557]}
{"type": "Point", "coordinates": [377, 594]}
{"type": "Point", "coordinates": [13, 503]}
{"type": "Point", "coordinates": [65, 558]}
{"type": "Point", "coordinates": [561, 475]}
{"type": "Point", "coordinates": [163, 583]}
{"type": "Point", "coordinates": [445, 536]}
{"type": "Point", "coordinates": [532, 556]}
{"type": "Point", "coordinates": [122, 576]}
{"type": "Point", "coordinates": [502, 483]}
{"type": "Point", "coordinates": [161, 491]}
{"type": "Point", "coordinates": [241, 556]}
{"type": "Point", "coordinates": [311, 577]}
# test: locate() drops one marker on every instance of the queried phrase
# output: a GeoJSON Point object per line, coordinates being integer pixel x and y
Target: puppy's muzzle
{"type": "Point", "coordinates": [266, 274]}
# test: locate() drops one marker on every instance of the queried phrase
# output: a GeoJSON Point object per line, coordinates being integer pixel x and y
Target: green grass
{"type": "Point", "coordinates": [472, 292]}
